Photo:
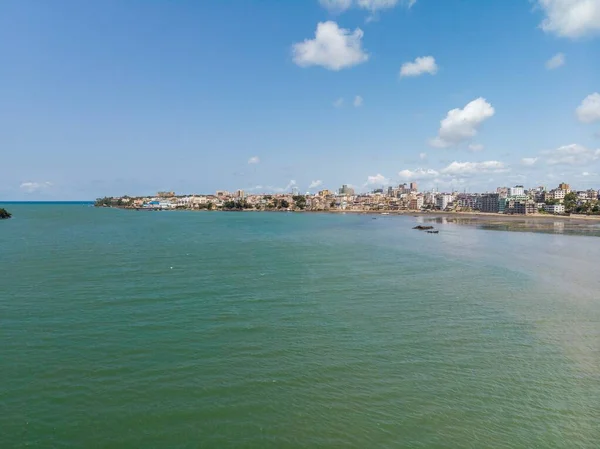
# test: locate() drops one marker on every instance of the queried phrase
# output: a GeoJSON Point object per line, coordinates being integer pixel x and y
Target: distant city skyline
{"type": "Point", "coordinates": [113, 98]}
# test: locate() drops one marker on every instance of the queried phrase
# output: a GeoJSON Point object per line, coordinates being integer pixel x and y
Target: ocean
{"type": "Point", "coordinates": [125, 329]}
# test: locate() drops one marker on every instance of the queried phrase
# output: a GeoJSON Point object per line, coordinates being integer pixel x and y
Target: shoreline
{"type": "Point", "coordinates": [483, 216]}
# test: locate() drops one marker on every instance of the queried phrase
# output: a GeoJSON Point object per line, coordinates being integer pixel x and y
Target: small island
{"type": "Point", "coordinates": [4, 214]}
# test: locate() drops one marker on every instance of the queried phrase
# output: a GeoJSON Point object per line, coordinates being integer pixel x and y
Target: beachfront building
{"type": "Point", "coordinates": [442, 200]}
{"type": "Point", "coordinates": [416, 202]}
{"type": "Point", "coordinates": [520, 207]}
{"type": "Point", "coordinates": [489, 202]}
{"type": "Point", "coordinates": [554, 208]}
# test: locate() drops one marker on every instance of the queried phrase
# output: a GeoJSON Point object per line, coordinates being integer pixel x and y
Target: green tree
{"type": "Point", "coordinates": [284, 204]}
{"type": "Point", "coordinates": [299, 201]}
{"type": "Point", "coordinates": [4, 214]}
{"type": "Point", "coordinates": [210, 206]}
{"type": "Point", "coordinates": [570, 202]}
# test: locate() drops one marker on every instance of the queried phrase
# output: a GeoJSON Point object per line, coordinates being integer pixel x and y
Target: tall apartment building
{"type": "Point", "coordinates": [416, 203]}
{"type": "Point", "coordinates": [489, 202]}
{"type": "Point", "coordinates": [516, 191]}
{"type": "Point", "coordinates": [564, 186]}
{"type": "Point", "coordinates": [442, 200]}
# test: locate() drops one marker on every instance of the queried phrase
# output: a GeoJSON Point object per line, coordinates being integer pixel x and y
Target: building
{"type": "Point", "coordinates": [564, 186]}
{"type": "Point", "coordinates": [554, 208]}
{"type": "Point", "coordinates": [165, 194]}
{"type": "Point", "coordinates": [502, 191]}
{"type": "Point", "coordinates": [416, 203]}
{"type": "Point", "coordinates": [346, 190]}
{"type": "Point", "coordinates": [556, 194]}
{"type": "Point", "coordinates": [516, 191]}
{"type": "Point", "coordinates": [240, 194]}
{"type": "Point", "coordinates": [521, 207]}
{"type": "Point", "coordinates": [489, 202]}
{"type": "Point", "coordinates": [413, 187]}
{"type": "Point", "coordinates": [442, 201]}
{"type": "Point", "coordinates": [325, 192]}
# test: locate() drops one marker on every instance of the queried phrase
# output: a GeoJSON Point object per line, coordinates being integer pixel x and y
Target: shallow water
{"type": "Point", "coordinates": [206, 329]}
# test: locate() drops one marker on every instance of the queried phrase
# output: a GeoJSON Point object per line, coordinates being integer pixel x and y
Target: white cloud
{"type": "Point", "coordinates": [589, 109]}
{"type": "Point", "coordinates": [287, 188]}
{"type": "Point", "coordinates": [338, 103]}
{"type": "Point", "coordinates": [358, 101]}
{"type": "Point", "coordinates": [419, 173]}
{"type": "Point", "coordinates": [470, 168]}
{"type": "Point", "coordinates": [34, 187]}
{"type": "Point", "coordinates": [376, 5]}
{"type": "Point", "coordinates": [315, 184]}
{"type": "Point", "coordinates": [378, 179]}
{"type": "Point", "coordinates": [336, 5]}
{"type": "Point", "coordinates": [573, 154]}
{"type": "Point", "coordinates": [462, 124]}
{"type": "Point", "coordinates": [333, 47]}
{"type": "Point", "coordinates": [529, 161]}
{"type": "Point", "coordinates": [555, 61]}
{"type": "Point", "coordinates": [585, 173]}
{"type": "Point", "coordinates": [422, 156]}
{"type": "Point", "coordinates": [475, 147]}
{"type": "Point", "coordinates": [421, 65]}
{"type": "Point", "coordinates": [571, 18]}
{"type": "Point", "coordinates": [254, 160]}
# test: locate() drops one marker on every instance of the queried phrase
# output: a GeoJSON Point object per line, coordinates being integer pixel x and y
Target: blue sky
{"type": "Point", "coordinates": [131, 97]}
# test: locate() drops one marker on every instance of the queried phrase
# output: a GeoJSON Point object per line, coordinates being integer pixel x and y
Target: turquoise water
{"type": "Point", "coordinates": [125, 329]}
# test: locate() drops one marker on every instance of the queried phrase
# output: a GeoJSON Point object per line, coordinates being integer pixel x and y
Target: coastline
{"type": "Point", "coordinates": [430, 214]}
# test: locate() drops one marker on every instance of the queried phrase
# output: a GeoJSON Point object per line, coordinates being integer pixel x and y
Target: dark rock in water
{"type": "Point", "coordinates": [423, 228]}
{"type": "Point", "coordinates": [433, 232]}
{"type": "Point", "coordinates": [4, 214]}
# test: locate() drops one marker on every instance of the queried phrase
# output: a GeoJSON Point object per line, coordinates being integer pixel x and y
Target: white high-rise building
{"type": "Point", "coordinates": [516, 191]}
{"type": "Point", "coordinates": [442, 200]}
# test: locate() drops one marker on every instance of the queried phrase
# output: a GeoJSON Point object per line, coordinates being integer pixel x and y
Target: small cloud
{"type": "Point", "coordinates": [475, 147]}
{"type": "Point", "coordinates": [585, 173]}
{"type": "Point", "coordinates": [378, 179]}
{"type": "Point", "coordinates": [422, 156]}
{"type": "Point", "coordinates": [338, 103]}
{"type": "Point", "coordinates": [421, 65]}
{"type": "Point", "coordinates": [570, 18]}
{"type": "Point", "coordinates": [589, 109]}
{"type": "Point", "coordinates": [333, 48]}
{"type": "Point", "coordinates": [573, 154]}
{"type": "Point", "coordinates": [315, 184]}
{"type": "Point", "coordinates": [555, 61]}
{"type": "Point", "coordinates": [358, 101]}
{"type": "Point", "coordinates": [462, 124]}
{"type": "Point", "coordinates": [418, 174]}
{"type": "Point", "coordinates": [528, 161]}
{"type": "Point", "coordinates": [34, 187]}
{"type": "Point", "coordinates": [254, 160]}
{"type": "Point", "coordinates": [336, 6]}
{"type": "Point", "coordinates": [470, 168]}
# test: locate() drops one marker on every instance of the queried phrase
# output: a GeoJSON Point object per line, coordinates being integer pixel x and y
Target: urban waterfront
{"type": "Point", "coordinates": [124, 329]}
